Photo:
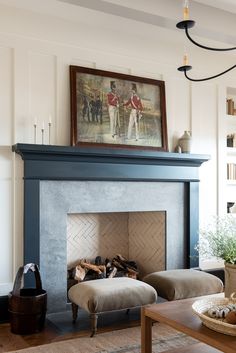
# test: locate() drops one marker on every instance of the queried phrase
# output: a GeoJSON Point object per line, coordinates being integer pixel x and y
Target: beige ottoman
{"type": "Point", "coordinates": [181, 284]}
{"type": "Point", "coordinates": [109, 294]}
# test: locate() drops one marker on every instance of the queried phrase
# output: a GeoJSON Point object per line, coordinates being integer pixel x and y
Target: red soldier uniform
{"type": "Point", "coordinates": [112, 99]}
{"type": "Point", "coordinates": [135, 102]}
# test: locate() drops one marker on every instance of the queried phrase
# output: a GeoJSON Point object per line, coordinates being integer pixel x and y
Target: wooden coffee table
{"type": "Point", "coordinates": [179, 315]}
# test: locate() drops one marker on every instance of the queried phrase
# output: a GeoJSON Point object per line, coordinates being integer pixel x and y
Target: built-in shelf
{"type": "Point", "coordinates": [231, 117]}
{"type": "Point", "coordinates": [231, 150]}
{"type": "Point", "coordinates": [231, 182]}
{"type": "Point", "coordinates": [227, 155]}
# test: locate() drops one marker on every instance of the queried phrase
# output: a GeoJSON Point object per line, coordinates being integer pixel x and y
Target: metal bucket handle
{"type": "Point", "coordinates": [19, 276]}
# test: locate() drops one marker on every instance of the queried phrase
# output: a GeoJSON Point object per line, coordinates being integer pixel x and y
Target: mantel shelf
{"type": "Point", "coordinates": [118, 155]}
{"type": "Point", "coordinates": [45, 162]}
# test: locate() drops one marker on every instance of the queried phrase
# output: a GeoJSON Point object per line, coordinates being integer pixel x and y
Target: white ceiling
{"type": "Point", "coordinates": [226, 5]}
{"type": "Point", "coordinates": [215, 19]}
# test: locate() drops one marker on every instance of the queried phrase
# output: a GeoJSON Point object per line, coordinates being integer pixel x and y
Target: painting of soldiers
{"type": "Point", "coordinates": [117, 110]}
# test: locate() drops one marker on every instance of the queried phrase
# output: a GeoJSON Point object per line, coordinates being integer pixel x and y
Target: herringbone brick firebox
{"type": "Point", "coordinates": [138, 236]}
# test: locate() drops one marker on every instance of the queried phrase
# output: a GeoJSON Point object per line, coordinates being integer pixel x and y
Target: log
{"type": "Point", "coordinates": [80, 273]}
{"type": "Point", "coordinates": [129, 267]}
{"type": "Point", "coordinates": [132, 274]}
{"type": "Point", "coordinates": [98, 260]}
{"type": "Point", "coordinates": [126, 263]}
{"type": "Point", "coordinates": [112, 273]}
{"type": "Point", "coordinates": [118, 264]}
{"type": "Point", "coordinates": [100, 270]}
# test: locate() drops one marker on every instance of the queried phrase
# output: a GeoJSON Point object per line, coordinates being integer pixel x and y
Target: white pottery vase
{"type": "Point", "coordinates": [233, 208]}
{"type": "Point", "coordinates": [230, 279]}
{"type": "Point", "coordinates": [185, 142]}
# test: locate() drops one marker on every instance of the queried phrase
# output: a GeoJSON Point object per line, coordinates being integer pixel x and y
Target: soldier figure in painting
{"type": "Point", "coordinates": [85, 109]}
{"type": "Point", "coordinates": [92, 108]}
{"type": "Point", "coordinates": [135, 114]}
{"type": "Point", "coordinates": [113, 109]}
{"type": "Point", "coordinates": [98, 110]}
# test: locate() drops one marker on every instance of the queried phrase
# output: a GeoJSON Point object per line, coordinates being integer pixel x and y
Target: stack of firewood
{"type": "Point", "coordinates": [117, 267]}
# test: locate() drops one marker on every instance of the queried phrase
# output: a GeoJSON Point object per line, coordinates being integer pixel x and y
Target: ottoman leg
{"type": "Point", "coordinates": [74, 312]}
{"type": "Point", "coordinates": [94, 320]}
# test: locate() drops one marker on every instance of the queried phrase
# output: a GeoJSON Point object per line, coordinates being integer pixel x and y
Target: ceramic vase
{"type": "Point", "coordinates": [185, 142]}
{"type": "Point", "coordinates": [230, 279]}
{"type": "Point", "coordinates": [233, 208]}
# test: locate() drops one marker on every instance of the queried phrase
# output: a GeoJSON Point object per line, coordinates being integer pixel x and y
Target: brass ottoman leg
{"type": "Point", "coordinates": [74, 312]}
{"type": "Point", "coordinates": [94, 320]}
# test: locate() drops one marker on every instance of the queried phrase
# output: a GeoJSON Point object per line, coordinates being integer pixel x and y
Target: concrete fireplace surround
{"type": "Point", "coordinates": [62, 180]}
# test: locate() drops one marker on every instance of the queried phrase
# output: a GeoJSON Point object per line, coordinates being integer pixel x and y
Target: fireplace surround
{"type": "Point", "coordinates": [60, 180]}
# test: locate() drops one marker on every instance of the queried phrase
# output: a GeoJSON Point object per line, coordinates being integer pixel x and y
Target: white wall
{"type": "Point", "coordinates": [36, 50]}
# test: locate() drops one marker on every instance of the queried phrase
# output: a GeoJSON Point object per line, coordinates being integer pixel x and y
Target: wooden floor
{"type": "Point", "coordinates": [60, 327]}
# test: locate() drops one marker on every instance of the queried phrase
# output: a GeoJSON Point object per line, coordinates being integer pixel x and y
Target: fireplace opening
{"type": "Point", "coordinates": [137, 238]}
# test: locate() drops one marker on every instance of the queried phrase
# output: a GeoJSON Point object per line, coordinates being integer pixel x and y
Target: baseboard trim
{"type": "Point", "coordinates": [4, 317]}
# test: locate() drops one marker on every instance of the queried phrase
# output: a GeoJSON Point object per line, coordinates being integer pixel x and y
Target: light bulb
{"type": "Point", "coordinates": [185, 60]}
{"type": "Point", "coordinates": [186, 10]}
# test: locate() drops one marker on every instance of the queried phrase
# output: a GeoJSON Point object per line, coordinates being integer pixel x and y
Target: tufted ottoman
{"type": "Point", "coordinates": [182, 284]}
{"type": "Point", "coordinates": [109, 294]}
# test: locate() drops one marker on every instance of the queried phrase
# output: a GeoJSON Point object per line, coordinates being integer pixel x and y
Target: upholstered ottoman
{"type": "Point", "coordinates": [181, 284]}
{"type": "Point", "coordinates": [109, 294]}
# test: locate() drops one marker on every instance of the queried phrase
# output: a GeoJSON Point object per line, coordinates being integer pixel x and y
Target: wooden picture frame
{"type": "Point", "coordinates": [116, 110]}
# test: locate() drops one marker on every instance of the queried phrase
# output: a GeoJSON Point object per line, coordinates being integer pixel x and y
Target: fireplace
{"type": "Point", "coordinates": [137, 236]}
{"type": "Point", "coordinates": [59, 181]}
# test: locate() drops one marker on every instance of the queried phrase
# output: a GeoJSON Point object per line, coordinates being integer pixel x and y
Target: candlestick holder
{"type": "Point", "coordinates": [42, 131]}
{"type": "Point", "coordinates": [49, 133]}
{"type": "Point", "coordinates": [35, 133]}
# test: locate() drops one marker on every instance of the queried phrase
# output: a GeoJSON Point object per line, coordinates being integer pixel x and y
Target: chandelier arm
{"type": "Point", "coordinates": [208, 78]}
{"type": "Point", "coordinates": [203, 46]}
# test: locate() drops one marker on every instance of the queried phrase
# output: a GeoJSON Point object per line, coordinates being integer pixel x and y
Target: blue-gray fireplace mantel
{"type": "Point", "coordinates": [51, 173]}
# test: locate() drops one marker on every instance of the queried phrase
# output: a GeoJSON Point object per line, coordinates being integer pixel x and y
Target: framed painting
{"type": "Point", "coordinates": [110, 109]}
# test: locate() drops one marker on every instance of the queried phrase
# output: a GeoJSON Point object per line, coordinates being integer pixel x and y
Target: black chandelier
{"type": "Point", "coordinates": [186, 24]}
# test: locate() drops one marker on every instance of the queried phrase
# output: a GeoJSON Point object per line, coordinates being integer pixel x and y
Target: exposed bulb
{"type": "Point", "coordinates": [186, 10]}
{"type": "Point", "coordinates": [185, 60]}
